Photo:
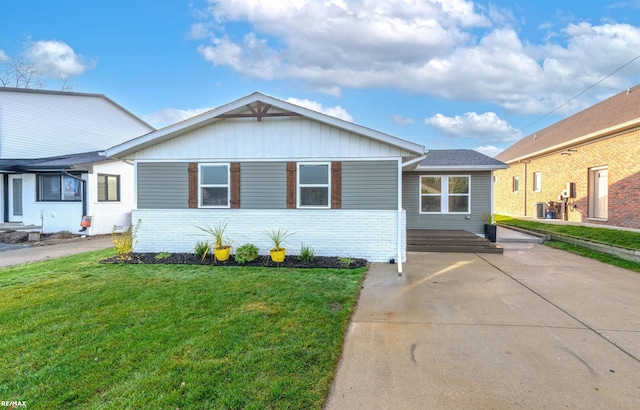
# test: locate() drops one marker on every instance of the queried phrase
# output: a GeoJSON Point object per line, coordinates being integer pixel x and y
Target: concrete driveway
{"type": "Point", "coordinates": [532, 328]}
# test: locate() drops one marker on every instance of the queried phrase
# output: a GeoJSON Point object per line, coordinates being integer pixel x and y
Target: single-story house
{"type": "Point", "coordinates": [52, 172]}
{"type": "Point", "coordinates": [584, 168]}
{"type": "Point", "coordinates": [261, 164]}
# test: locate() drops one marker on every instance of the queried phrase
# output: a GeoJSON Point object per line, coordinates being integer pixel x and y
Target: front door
{"type": "Point", "coordinates": [15, 198]}
{"type": "Point", "coordinates": [601, 194]}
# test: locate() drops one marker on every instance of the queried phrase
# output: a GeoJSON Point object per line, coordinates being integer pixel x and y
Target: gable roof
{"type": "Point", "coordinates": [38, 123]}
{"type": "Point", "coordinates": [458, 160]}
{"type": "Point", "coordinates": [239, 108]}
{"type": "Point", "coordinates": [618, 113]}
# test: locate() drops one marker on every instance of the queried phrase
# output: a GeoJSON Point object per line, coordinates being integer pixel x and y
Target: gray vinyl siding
{"type": "Point", "coordinates": [163, 185]}
{"type": "Point", "coordinates": [263, 185]}
{"type": "Point", "coordinates": [370, 185]}
{"type": "Point", "coordinates": [480, 203]}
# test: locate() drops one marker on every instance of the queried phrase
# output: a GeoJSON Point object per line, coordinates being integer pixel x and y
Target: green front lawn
{"type": "Point", "coordinates": [77, 333]}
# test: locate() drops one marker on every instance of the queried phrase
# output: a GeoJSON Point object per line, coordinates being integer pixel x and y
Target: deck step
{"type": "Point", "coordinates": [452, 248]}
{"type": "Point", "coordinates": [436, 240]}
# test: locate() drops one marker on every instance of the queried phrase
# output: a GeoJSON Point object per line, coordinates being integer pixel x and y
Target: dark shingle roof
{"type": "Point", "coordinates": [458, 159]}
{"type": "Point", "coordinates": [51, 163]}
{"type": "Point", "coordinates": [620, 109]}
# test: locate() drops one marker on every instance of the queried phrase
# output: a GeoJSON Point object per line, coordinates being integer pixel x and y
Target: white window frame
{"type": "Point", "coordinates": [227, 185]}
{"type": "Point", "coordinates": [327, 185]}
{"type": "Point", "coordinates": [444, 195]}
{"type": "Point", "coordinates": [515, 184]}
{"type": "Point", "coordinates": [537, 181]}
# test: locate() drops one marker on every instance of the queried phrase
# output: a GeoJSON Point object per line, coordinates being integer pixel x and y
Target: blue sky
{"type": "Point", "coordinates": [445, 73]}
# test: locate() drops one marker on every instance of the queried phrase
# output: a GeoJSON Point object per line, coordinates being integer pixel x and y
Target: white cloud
{"type": "Point", "coordinates": [455, 49]}
{"type": "Point", "coordinates": [402, 120]}
{"type": "Point", "coordinates": [487, 127]}
{"type": "Point", "coordinates": [489, 150]}
{"type": "Point", "coordinates": [336, 111]}
{"type": "Point", "coordinates": [168, 116]}
{"type": "Point", "coordinates": [3, 56]}
{"type": "Point", "coordinates": [55, 59]}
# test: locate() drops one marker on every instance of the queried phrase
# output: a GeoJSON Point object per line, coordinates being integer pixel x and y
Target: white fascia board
{"type": "Point", "coordinates": [211, 116]}
{"type": "Point", "coordinates": [462, 168]}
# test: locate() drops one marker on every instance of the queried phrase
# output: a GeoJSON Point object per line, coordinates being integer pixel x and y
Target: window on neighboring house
{"type": "Point", "coordinates": [516, 185]}
{"type": "Point", "coordinates": [537, 181]}
{"type": "Point", "coordinates": [214, 185]}
{"type": "Point", "coordinates": [444, 194]}
{"type": "Point", "coordinates": [58, 187]}
{"type": "Point", "coordinates": [313, 185]}
{"type": "Point", "coordinates": [108, 188]}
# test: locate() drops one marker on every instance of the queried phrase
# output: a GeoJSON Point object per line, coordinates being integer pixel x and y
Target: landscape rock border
{"type": "Point", "coordinates": [262, 261]}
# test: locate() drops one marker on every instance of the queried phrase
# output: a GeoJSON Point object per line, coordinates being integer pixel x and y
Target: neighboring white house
{"type": "Point", "coordinates": [52, 171]}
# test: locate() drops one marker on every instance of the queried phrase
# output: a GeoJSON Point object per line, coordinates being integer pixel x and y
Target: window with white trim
{"type": "Point", "coordinates": [314, 185]}
{"type": "Point", "coordinates": [213, 186]}
{"type": "Point", "coordinates": [537, 181]}
{"type": "Point", "coordinates": [515, 186]}
{"type": "Point", "coordinates": [445, 194]}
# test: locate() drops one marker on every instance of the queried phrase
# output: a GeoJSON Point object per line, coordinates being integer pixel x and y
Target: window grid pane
{"type": "Point", "coordinates": [445, 194]}
{"type": "Point", "coordinates": [313, 185]}
{"type": "Point", "coordinates": [214, 185]}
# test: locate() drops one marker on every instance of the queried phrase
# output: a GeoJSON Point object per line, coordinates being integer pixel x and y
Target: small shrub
{"type": "Point", "coordinates": [345, 262]}
{"type": "Point", "coordinates": [246, 253]}
{"type": "Point", "coordinates": [163, 255]}
{"type": "Point", "coordinates": [307, 254]}
{"type": "Point", "coordinates": [278, 237]}
{"type": "Point", "coordinates": [125, 242]}
{"type": "Point", "coordinates": [202, 249]}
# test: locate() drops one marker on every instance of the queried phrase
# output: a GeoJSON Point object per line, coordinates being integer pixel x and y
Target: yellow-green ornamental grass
{"type": "Point", "coordinates": [80, 334]}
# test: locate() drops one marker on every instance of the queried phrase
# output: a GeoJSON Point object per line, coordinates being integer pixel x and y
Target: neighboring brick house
{"type": "Point", "coordinates": [585, 168]}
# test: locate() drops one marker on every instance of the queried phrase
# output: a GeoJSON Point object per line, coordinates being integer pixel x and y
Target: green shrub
{"type": "Point", "coordinates": [307, 254]}
{"type": "Point", "coordinates": [246, 253]}
{"type": "Point", "coordinates": [345, 262]}
{"type": "Point", "coordinates": [202, 249]}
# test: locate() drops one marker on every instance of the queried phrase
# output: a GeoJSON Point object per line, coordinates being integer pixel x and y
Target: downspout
{"type": "Point", "coordinates": [400, 233]}
{"type": "Point", "coordinates": [84, 193]}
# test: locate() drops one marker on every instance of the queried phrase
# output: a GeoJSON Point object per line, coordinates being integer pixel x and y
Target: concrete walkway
{"type": "Point", "coordinates": [26, 254]}
{"type": "Point", "coordinates": [532, 328]}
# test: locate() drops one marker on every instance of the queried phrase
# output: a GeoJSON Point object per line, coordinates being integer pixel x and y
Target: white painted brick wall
{"type": "Point", "coordinates": [351, 233]}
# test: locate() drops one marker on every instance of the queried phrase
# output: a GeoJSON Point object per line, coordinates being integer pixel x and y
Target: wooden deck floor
{"type": "Point", "coordinates": [436, 240]}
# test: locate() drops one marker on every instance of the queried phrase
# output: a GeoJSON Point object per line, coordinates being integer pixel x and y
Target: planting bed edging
{"type": "Point", "coordinates": [263, 261]}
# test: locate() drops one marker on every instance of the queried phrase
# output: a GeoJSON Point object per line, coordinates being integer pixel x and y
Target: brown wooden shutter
{"type": "Point", "coordinates": [235, 185]}
{"type": "Point", "coordinates": [336, 185]}
{"type": "Point", "coordinates": [291, 184]}
{"type": "Point", "coordinates": [193, 185]}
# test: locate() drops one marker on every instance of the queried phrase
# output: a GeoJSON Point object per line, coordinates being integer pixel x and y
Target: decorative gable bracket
{"type": "Point", "coordinates": [259, 111]}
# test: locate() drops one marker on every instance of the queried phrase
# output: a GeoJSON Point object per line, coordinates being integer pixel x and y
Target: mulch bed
{"type": "Point", "coordinates": [264, 261]}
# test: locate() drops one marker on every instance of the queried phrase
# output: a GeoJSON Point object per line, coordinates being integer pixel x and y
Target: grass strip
{"type": "Point", "coordinates": [626, 239]}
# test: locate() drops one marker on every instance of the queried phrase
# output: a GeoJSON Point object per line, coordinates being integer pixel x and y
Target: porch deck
{"type": "Point", "coordinates": [435, 240]}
